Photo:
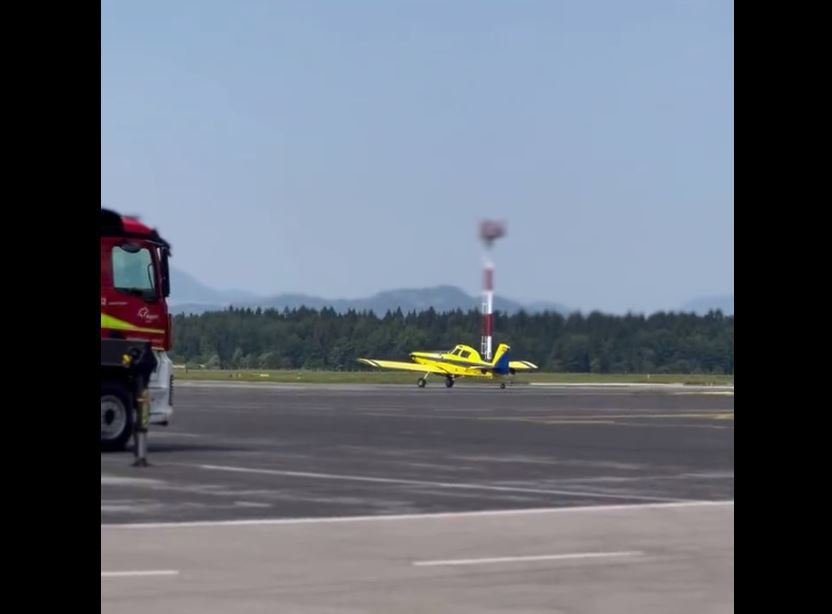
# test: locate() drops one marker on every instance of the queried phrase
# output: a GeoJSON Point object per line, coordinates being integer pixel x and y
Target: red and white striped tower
{"type": "Point", "coordinates": [490, 231]}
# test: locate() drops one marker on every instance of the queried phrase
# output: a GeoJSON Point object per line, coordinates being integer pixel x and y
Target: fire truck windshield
{"type": "Point", "coordinates": [133, 271]}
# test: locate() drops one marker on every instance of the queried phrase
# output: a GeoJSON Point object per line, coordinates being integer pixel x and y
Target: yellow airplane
{"type": "Point", "coordinates": [462, 361]}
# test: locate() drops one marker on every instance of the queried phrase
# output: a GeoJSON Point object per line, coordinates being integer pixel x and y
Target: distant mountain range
{"type": "Point", "coordinates": [190, 295]}
{"type": "Point", "coordinates": [188, 289]}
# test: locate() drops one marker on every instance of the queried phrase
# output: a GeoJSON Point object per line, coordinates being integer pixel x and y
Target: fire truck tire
{"type": "Point", "coordinates": [116, 417]}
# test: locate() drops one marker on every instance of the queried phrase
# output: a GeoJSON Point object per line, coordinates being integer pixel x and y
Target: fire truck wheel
{"type": "Point", "coordinates": [116, 418]}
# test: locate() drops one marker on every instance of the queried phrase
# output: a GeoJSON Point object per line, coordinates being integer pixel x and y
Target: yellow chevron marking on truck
{"type": "Point", "coordinates": [116, 324]}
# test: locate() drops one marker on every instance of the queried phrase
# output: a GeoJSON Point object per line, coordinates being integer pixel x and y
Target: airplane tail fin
{"type": "Point", "coordinates": [500, 361]}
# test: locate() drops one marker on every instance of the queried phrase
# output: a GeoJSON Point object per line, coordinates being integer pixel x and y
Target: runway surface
{"type": "Point", "coordinates": [313, 499]}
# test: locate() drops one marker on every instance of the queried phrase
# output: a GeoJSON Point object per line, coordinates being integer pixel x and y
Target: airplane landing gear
{"type": "Point", "coordinates": [449, 382]}
{"type": "Point", "coordinates": [421, 382]}
{"type": "Point", "coordinates": [502, 385]}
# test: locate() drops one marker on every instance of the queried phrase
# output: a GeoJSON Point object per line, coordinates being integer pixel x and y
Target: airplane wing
{"type": "Point", "coordinates": [403, 366]}
{"type": "Point", "coordinates": [522, 365]}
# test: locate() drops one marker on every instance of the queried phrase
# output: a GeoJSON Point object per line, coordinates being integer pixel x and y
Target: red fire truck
{"type": "Point", "coordinates": [136, 329]}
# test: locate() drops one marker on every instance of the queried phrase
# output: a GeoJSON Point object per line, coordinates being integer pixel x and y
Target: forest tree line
{"type": "Point", "coordinates": [577, 343]}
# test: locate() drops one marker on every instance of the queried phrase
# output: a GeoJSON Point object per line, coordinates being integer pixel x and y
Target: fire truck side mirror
{"type": "Point", "coordinates": [165, 273]}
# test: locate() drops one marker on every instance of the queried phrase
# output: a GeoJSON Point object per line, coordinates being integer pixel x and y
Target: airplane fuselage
{"type": "Point", "coordinates": [462, 356]}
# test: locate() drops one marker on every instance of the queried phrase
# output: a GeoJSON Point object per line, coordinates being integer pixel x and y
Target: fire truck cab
{"type": "Point", "coordinates": [135, 284]}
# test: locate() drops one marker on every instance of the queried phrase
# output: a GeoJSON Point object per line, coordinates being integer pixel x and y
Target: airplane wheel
{"type": "Point", "coordinates": [449, 383]}
{"type": "Point", "coordinates": [421, 382]}
{"type": "Point", "coordinates": [502, 385]}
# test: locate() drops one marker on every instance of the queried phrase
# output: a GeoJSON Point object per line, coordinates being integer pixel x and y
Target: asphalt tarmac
{"type": "Point", "coordinates": [395, 499]}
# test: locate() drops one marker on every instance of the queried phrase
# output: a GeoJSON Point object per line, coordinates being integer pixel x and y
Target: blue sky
{"type": "Point", "coordinates": [340, 148]}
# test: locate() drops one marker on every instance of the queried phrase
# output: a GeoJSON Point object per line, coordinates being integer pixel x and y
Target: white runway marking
{"type": "Point", "coordinates": [251, 504]}
{"type": "Point", "coordinates": [657, 385]}
{"type": "Point", "coordinates": [428, 516]}
{"type": "Point", "coordinates": [524, 559]}
{"type": "Point", "coordinates": [115, 480]}
{"type": "Point", "coordinates": [450, 485]}
{"type": "Point", "coordinates": [139, 574]}
{"type": "Point", "coordinates": [726, 393]}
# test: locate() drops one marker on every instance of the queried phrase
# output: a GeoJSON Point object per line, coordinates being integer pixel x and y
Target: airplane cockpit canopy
{"type": "Point", "coordinates": [462, 351]}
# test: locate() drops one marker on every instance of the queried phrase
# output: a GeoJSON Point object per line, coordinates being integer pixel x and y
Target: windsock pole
{"type": "Point", "coordinates": [489, 232]}
{"type": "Point", "coordinates": [487, 311]}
